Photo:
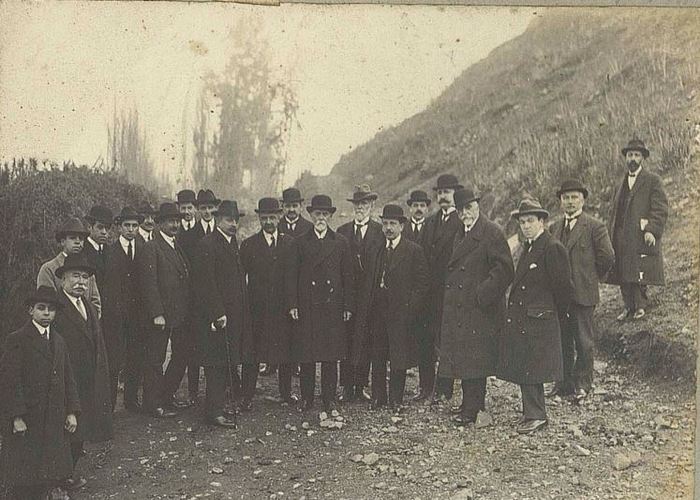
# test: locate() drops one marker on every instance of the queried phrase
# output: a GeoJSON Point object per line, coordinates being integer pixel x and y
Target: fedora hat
{"type": "Point", "coordinates": [465, 196]}
{"type": "Point", "coordinates": [99, 213]}
{"type": "Point", "coordinates": [168, 210]}
{"type": "Point", "coordinates": [321, 202]}
{"type": "Point", "coordinates": [71, 226]}
{"type": "Point", "coordinates": [529, 206]}
{"type": "Point", "coordinates": [145, 208]}
{"type": "Point", "coordinates": [229, 208]}
{"type": "Point", "coordinates": [186, 196]}
{"type": "Point", "coordinates": [268, 206]}
{"type": "Point", "coordinates": [207, 197]}
{"type": "Point", "coordinates": [361, 193]}
{"type": "Point", "coordinates": [447, 181]}
{"type": "Point", "coordinates": [394, 212]}
{"type": "Point", "coordinates": [128, 213]}
{"type": "Point", "coordinates": [44, 294]}
{"type": "Point", "coordinates": [75, 261]}
{"type": "Point", "coordinates": [572, 185]}
{"type": "Point", "coordinates": [291, 195]}
{"type": "Point", "coordinates": [416, 196]}
{"type": "Point", "coordinates": [636, 145]}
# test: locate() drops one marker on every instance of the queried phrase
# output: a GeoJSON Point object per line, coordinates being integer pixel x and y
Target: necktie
{"type": "Point", "coordinates": [208, 231]}
{"type": "Point", "coordinates": [130, 250]}
{"type": "Point", "coordinates": [150, 236]}
{"type": "Point", "coordinates": [445, 216]}
{"type": "Point", "coordinates": [81, 308]}
{"type": "Point", "coordinates": [358, 232]}
{"type": "Point", "coordinates": [45, 335]}
{"type": "Point", "coordinates": [273, 242]}
{"type": "Point", "coordinates": [527, 245]}
{"type": "Point", "coordinates": [101, 250]}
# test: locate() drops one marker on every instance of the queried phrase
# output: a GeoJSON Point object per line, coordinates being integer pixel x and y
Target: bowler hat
{"type": "Point", "coordinates": [99, 213]}
{"type": "Point", "coordinates": [128, 213]}
{"type": "Point", "coordinates": [186, 196]}
{"type": "Point", "coordinates": [268, 206]}
{"type": "Point", "coordinates": [75, 261]}
{"type": "Point", "coordinates": [145, 208]}
{"type": "Point", "coordinates": [291, 195]}
{"type": "Point", "coordinates": [447, 181]}
{"type": "Point", "coordinates": [529, 206]}
{"type": "Point", "coordinates": [361, 193]}
{"type": "Point", "coordinates": [321, 202]}
{"type": "Point", "coordinates": [636, 145]}
{"type": "Point", "coordinates": [464, 197]}
{"type": "Point", "coordinates": [417, 196]}
{"type": "Point", "coordinates": [572, 185]}
{"type": "Point", "coordinates": [394, 212]}
{"type": "Point", "coordinates": [71, 226]}
{"type": "Point", "coordinates": [168, 210]}
{"type": "Point", "coordinates": [207, 197]}
{"type": "Point", "coordinates": [229, 208]}
{"type": "Point", "coordinates": [44, 294]}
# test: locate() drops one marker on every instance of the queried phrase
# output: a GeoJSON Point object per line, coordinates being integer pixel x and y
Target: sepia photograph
{"type": "Point", "coordinates": [308, 251]}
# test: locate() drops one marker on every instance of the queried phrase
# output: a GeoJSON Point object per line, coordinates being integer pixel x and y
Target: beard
{"type": "Point", "coordinates": [632, 165]}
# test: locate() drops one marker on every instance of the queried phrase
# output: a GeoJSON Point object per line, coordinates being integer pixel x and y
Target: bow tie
{"type": "Point", "coordinates": [630, 174]}
{"type": "Point", "coordinates": [569, 219]}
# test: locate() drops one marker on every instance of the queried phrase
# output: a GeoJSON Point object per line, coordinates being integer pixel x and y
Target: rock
{"type": "Point", "coordinates": [293, 428]}
{"type": "Point", "coordinates": [663, 422]}
{"type": "Point", "coordinates": [287, 426]}
{"type": "Point", "coordinates": [464, 494]}
{"type": "Point", "coordinates": [383, 468]}
{"type": "Point", "coordinates": [622, 461]}
{"type": "Point", "coordinates": [339, 419]}
{"type": "Point", "coordinates": [335, 413]}
{"type": "Point", "coordinates": [370, 459]}
{"type": "Point", "coordinates": [357, 458]}
{"type": "Point", "coordinates": [380, 486]}
{"type": "Point", "coordinates": [396, 420]}
{"type": "Point", "coordinates": [581, 451]}
{"type": "Point", "coordinates": [326, 423]}
{"type": "Point", "coordinates": [268, 433]}
{"type": "Point", "coordinates": [323, 415]}
{"type": "Point", "coordinates": [215, 484]}
{"type": "Point", "coordinates": [310, 433]}
{"type": "Point", "coordinates": [305, 426]}
{"type": "Point", "coordinates": [228, 460]}
{"type": "Point", "coordinates": [491, 449]}
{"type": "Point", "coordinates": [647, 438]}
{"type": "Point", "coordinates": [216, 470]}
{"type": "Point", "coordinates": [483, 419]}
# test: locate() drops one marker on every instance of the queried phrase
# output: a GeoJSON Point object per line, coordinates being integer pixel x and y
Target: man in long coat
{"type": "Point", "coordinates": [366, 238]}
{"type": "Point", "coordinates": [530, 345]}
{"type": "Point", "coordinates": [265, 257]}
{"type": "Point", "coordinates": [222, 298]}
{"type": "Point", "coordinates": [478, 274]}
{"type": "Point", "coordinates": [591, 256]}
{"type": "Point", "coordinates": [637, 221]}
{"type": "Point", "coordinates": [80, 328]}
{"type": "Point", "coordinates": [320, 295]}
{"type": "Point", "coordinates": [99, 221]}
{"type": "Point", "coordinates": [391, 295]}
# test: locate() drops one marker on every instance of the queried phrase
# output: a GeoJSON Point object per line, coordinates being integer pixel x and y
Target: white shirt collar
{"type": "Point", "coordinates": [394, 243]}
{"type": "Point", "coordinates": [146, 235]}
{"type": "Point", "coordinates": [322, 235]}
{"type": "Point", "coordinates": [268, 236]}
{"type": "Point", "coordinates": [187, 224]}
{"type": "Point", "coordinates": [417, 223]}
{"type": "Point", "coordinates": [74, 300]}
{"type": "Point", "coordinates": [363, 222]}
{"type": "Point", "coordinates": [125, 244]}
{"type": "Point", "coordinates": [290, 222]}
{"type": "Point", "coordinates": [206, 224]}
{"type": "Point", "coordinates": [228, 238]}
{"type": "Point", "coordinates": [574, 215]}
{"type": "Point", "coordinates": [636, 172]}
{"type": "Point", "coordinates": [532, 240]}
{"type": "Point", "coordinates": [448, 211]}
{"type": "Point", "coordinates": [43, 330]}
{"type": "Point", "coordinates": [94, 244]}
{"type": "Point", "coordinates": [169, 239]}
{"type": "Point", "coordinates": [467, 229]}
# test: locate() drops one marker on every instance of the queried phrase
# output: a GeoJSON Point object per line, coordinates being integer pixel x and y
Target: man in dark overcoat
{"type": "Point", "coordinates": [99, 222]}
{"type": "Point", "coordinates": [638, 217]}
{"type": "Point", "coordinates": [321, 299]}
{"type": "Point", "coordinates": [39, 403]}
{"type": "Point", "coordinates": [591, 256]}
{"type": "Point", "coordinates": [478, 274]}
{"type": "Point", "coordinates": [186, 204]}
{"type": "Point", "coordinates": [292, 222]}
{"type": "Point", "coordinates": [265, 257]}
{"type": "Point", "coordinates": [222, 298]}
{"type": "Point", "coordinates": [392, 291]}
{"type": "Point", "coordinates": [80, 328]}
{"type": "Point", "coordinates": [530, 345]}
{"type": "Point", "coordinates": [366, 238]}
{"type": "Point", "coordinates": [440, 228]}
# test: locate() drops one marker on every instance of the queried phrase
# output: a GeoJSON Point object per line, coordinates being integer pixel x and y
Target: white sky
{"type": "Point", "coordinates": [354, 69]}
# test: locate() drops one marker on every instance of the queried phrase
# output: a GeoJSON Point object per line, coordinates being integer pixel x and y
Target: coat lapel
{"type": "Point", "coordinates": [530, 257]}
{"type": "Point", "coordinates": [400, 253]}
{"type": "Point", "coordinates": [576, 232]}
{"type": "Point", "coordinates": [169, 252]}
{"type": "Point", "coordinates": [469, 242]}
{"type": "Point", "coordinates": [325, 249]}
{"type": "Point", "coordinates": [38, 343]}
{"type": "Point", "coordinates": [72, 314]}
{"type": "Point", "coordinates": [641, 180]}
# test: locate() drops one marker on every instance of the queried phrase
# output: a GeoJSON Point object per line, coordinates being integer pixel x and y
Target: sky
{"type": "Point", "coordinates": [354, 69]}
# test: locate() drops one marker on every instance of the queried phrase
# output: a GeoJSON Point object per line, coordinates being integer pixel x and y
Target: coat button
{"type": "Point", "coordinates": [459, 325]}
{"type": "Point", "coordinates": [313, 283]}
{"type": "Point", "coordinates": [447, 286]}
{"type": "Point", "coordinates": [460, 287]}
{"type": "Point", "coordinates": [459, 305]}
{"type": "Point", "coordinates": [520, 303]}
{"type": "Point", "coordinates": [508, 320]}
{"type": "Point", "coordinates": [462, 268]}
{"type": "Point", "coordinates": [522, 287]}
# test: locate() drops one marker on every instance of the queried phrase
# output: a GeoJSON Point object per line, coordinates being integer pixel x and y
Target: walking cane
{"type": "Point", "coordinates": [229, 368]}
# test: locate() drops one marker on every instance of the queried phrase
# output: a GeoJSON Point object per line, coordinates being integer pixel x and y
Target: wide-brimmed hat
{"type": "Point", "coordinates": [128, 213]}
{"type": "Point", "coordinates": [44, 294]}
{"type": "Point", "coordinates": [361, 193]}
{"type": "Point", "coordinates": [321, 202]}
{"type": "Point", "coordinates": [447, 181]}
{"type": "Point", "coordinates": [75, 261]}
{"type": "Point", "coordinates": [394, 212]}
{"type": "Point", "coordinates": [291, 195]}
{"type": "Point", "coordinates": [168, 210]}
{"type": "Point", "coordinates": [268, 206]}
{"type": "Point", "coordinates": [145, 208]}
{"type": "Point", "coordinates": [529, 206]}
{"type": "Point", "coordinates": [465, 196]}
{"type": "Point", "coordinates": [186, 196]}
{"type": "Point", "coordinates": [417, 196]}
{"type": "Point", "coordinates": [71, 226]}
{"type": "Point", "coordinates": [572, 185]}
{"type": "Point", "coordinates": [229, 208]}
{"type": "Point", "coordinates": [636, 145]}
{"type": "Point", "coordinates": [99, 213]}
{"type": "Point", "coordinates": [206, 197]}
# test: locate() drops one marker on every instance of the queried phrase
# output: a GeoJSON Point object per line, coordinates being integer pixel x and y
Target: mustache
{"type": "Point", "coordinates": [443, 200]}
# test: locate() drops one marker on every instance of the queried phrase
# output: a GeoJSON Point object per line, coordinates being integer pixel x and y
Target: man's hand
{"type": "Point", "coordinates": [294, 313]}
{"type": "Point", "coordinates": [347, 315]}
{"type": "Point", "coordinates": [649, 239]}
{"type": "Point", "coordinates": [159, 321]}
{"type": "Point", "coordinates": [18, 426]}
{"type": "Point", "coordinates": [220, 323]}
{"type": "Point", "coordinates": [71, 423]}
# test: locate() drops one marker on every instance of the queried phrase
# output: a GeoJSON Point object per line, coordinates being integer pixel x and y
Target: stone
{"type": "Point", "coordinates": [215, 484]}
{"type": "Point", "coordinates": [216, 470]}
{"type": "Point", "coordinates": [396, 420]}
{"type": "Point", "coordinates": [483, 420]}
{"type": "Point", "coordinates": [357, 458]}
{"type": "Point", "coordinates": [335, 413]}
{"type": "Point", "coordinates": [370, 459]}
{"type": "Point", "coordinates": [581, 451]}
{"type": "Point", "coordinates": [392, 429]}
{"type": "Point", "coordinates": [463, 494]}
{"type": "Point", "coordinates": [323, 415]}
{"type": "Point", "coordinates": [380, 486]}
{"type": "Point", "coordinates": [305, 426]}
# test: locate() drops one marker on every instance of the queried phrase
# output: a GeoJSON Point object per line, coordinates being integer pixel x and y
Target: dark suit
{"type": "Point", "coordinates": [98, 261]}
{"type": "Point", "coordinates": [301, 226]}
{"type": "Point", "coordinates": [591, 256]}
{"type": "Point", "coordinates": [165, 283]}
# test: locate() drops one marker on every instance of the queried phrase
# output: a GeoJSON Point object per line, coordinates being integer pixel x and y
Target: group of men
{"type": "Point", "coordinates": [443, 292]}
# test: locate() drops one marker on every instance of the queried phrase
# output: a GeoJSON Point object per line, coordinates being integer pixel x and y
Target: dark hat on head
{"type": "Point", "coordinates": [268, 206]}
{"type": "Point", "coordinates": [207, 197]}
{"type": "Point", "coordinates": [145, 208]}
{"type": "Point", "coordinates": [229, 208]}
{"type": "Point", "coordinates": [291, 195]}
{"type": "Point", "coordinates": [418, 195]}
{"type": "Point", "coordinates": [321, 202]}
{"type": "Point", "coordinates": [447, 181]}
{"type": "Point", "coordinates": [75, 261]}
{"type": "Point", "coordinates": [168, 210]}
{"type": "Point", "coordinates": [636, 145]}
{"type": "Point", "coordinates": [44, 294]}
{"type": "Point", "coordinates": [394, 212]}
{"type": "Point", "coordinates": [71, 226]}
{"type": "Point", "coordinates": [100, 213]}
{"type": "Point", "coordinates": [186, 196]}
{"type": "Point", "coordinates": [465, 196]}
{"type": "Point", "coordinates": [128, 213]}
{"type": "Point", "coordinates": [572, 185]}
{"type": "Point", "coordinates": [529, 206]}
{"type": "Point", "coordinates": [361, 193]}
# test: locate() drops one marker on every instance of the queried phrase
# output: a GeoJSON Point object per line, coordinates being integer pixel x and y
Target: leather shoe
{"type": "Point", "coordinates": [72, 484]}
{"type": "Point", "coordinates": [529, 426]}
{"type": "Point", "coordinates": [463, 420]}
{"type": "Point", "coordinates": [456, 410]}
{"type": "Point", "coordinates": [164, 413]}
{"type": "Point", "coordinates": [623, 315]}
{"type": "Point", "coordinates": [223, 421]}
{"type": "Point", "coordinates": [362, 395]}
{"type": "Point", "coordinates": [348, 394]}
{"type": "Point", "coordinates": [638, 314]}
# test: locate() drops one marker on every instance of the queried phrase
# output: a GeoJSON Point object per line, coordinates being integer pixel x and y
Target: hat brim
{"type": "Point", "coordinates": [268, 212]}
{"type": "Point", "coordinates": [453, 186]}
{"type": "Point", "coordinates": [311, 208]}
{"type": "Point", "coordinates": [62, 234]}
{"type": "Point", "coordinates": [366, 197]}
{"type": "Point", "coordinates": [91, 220]}
{"type": "Point", "coordinates": [299, 200]}
{"type": "Point", "coordinates": [644, 151]}
{"type": "Point", "coordinates": [535, 211]}
{"type": "Point", "coordinates": [138, 218]}
{"type": "Point", "coordinates": [583, 191]}
{"type": "Point", "coordinates": [467, 201]}
{"type": "Point", "coordinates": [215, 201]}
{"type": "Point", "coordinates": [410, 202]}
{"type": "Point", "coordinates": [402, 219]}
{"type": "Point", "coordinates": [61, 270]}
{"type": "Point", "coordinates": [34, 300]}
{"type": "Point", "coordinates": [159, 218]}
{"type": "Point", "coordinates": [219, 214]}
